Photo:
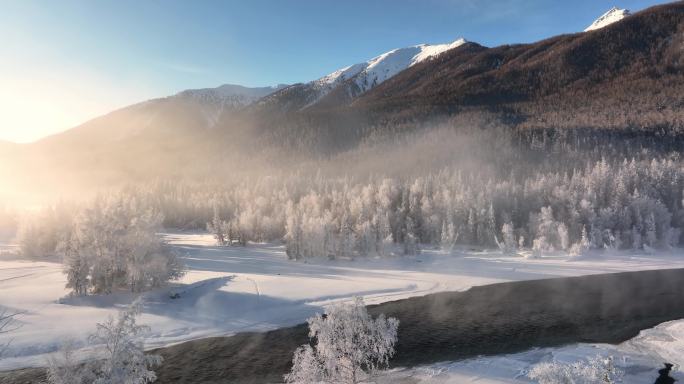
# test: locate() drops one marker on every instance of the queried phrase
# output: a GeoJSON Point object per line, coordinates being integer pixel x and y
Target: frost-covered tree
{"type": "Point", "coordinates": [622, 202]}
{"type": "Point", "coordinates": [219, 228]}
{"type": "Point", "coordinates": [40, 233]}
{"type": "Point", "coordinates": [124, 359]}
{"type": "Point", "coordinates": [306, 367]}
{"type": "Point", "coordinates": [345, 243]}
{"type": "Point", "coordinates": [293, 232]}
{"type": "Point", "coordinates": [582, 246]}
{"type": "Point", "coordinates": [449, 235]}
{"type": "Point", "coordinates": [113, 246]}
{"type": "Point", "coordinates": [77, 267]}
{"type": "Point", "coordinates": [563, 236]}
{"type": "Point", "coordinates": [508, 244]}
{"type": "Point", "coordinates": [651, 231]}
{"type": "Point", "coordinates": [349, 346]}
{"type": "Point", "coordinates": [410, 238]}
{"type": "Point", "coordinates": [64, 368]}
{"type": "Point", "coordinates": [383, 234]}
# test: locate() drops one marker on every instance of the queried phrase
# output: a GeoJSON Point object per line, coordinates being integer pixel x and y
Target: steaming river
{"type": "Point", "coordinates": [487, 320]}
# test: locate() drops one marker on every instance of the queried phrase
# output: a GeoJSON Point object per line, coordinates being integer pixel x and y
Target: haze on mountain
{"type": "Point", "coordinates": [624, 74]}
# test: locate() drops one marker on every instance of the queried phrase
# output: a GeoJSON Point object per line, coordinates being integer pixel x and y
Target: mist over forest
{"type": "Point", "coordinates": [401, 201]}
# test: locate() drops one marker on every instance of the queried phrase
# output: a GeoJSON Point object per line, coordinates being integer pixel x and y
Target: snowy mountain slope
{"type": "Point", "coordinates": [358, 78]}
{"type": "Point", "coordinates": [388, 64]}
{"type": "Point", "coordinates": [613, 15]}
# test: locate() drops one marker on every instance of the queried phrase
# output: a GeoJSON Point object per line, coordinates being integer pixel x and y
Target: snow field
{"type": "Point", "coordinates": [255, 288]}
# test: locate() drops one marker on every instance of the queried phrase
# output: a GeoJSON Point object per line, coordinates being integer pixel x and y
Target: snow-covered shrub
{"type": "Point", "coordinates": [219, 229]}
{"type": "Point", "coordinates": [594, 371]}
{"type": "Point", "coordinates": [306, 367]}
{"type": "Point", "coordinates": [123, 360]}
{"type": "Point", "coordinates": [350, 346]}
{"type": "Point", "coordinates": [63, 368]}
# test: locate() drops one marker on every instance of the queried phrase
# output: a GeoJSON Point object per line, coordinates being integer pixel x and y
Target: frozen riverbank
{"type": "Point", "coordinates": [255, 288]}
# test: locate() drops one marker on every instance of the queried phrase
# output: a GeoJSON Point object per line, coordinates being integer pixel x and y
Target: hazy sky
{"type": "Point", "coordinates": [65, 61]}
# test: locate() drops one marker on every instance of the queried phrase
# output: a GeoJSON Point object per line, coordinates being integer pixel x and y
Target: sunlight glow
{"type": "Point", "coordinates": [42, 104]}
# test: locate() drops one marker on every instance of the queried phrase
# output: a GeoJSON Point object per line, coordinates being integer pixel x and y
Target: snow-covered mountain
{"type": "Point", "coordinates": [613, 15]}
{"type": "Point", "coordinates": [359, 78]}
{"type": "Point", "coordinates": [380, 68]}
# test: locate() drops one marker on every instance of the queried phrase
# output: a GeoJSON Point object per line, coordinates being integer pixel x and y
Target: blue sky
{"type": "Point", "coordinates": [69, 60]}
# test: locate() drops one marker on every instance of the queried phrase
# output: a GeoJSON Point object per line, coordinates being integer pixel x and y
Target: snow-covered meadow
{"type": "Point", "coordinates": [232, 289]}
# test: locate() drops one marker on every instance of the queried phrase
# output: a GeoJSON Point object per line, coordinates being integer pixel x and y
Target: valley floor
{"type": "Point", "coordinates": [232, 289]}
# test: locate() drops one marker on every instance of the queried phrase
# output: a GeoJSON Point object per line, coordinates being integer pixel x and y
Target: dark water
{"type": "Point", "coordinates": [494, 319]}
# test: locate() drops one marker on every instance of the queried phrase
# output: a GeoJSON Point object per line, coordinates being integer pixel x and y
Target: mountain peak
{"type": "Point", "coordinates": [613, 15]}
{"type": "Point", "coordinates": [381, 68]}
{"type": "Point", "coordinates": [368, 74]}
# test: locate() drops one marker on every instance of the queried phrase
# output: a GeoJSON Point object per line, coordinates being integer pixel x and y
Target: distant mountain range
{"type": "Point", "coordinates": [625, 73]}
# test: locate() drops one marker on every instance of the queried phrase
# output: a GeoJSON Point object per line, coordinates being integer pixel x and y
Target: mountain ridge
{"type": "Point", "coordinates": [626, 77]}
{"type": "Point", "coordinates": [356, 79]}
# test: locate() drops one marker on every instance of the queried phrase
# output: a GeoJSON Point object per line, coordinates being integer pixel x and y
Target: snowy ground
{"type": "Point", "coordinates": [227, 290]}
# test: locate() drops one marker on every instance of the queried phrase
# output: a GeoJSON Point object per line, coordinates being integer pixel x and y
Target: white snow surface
{"type": "Point", "coordinates": [256, 288]}
{"type": "Point", "coordinates": [613, 15]}
{"type": "Point", "coordinates": [381, 68]}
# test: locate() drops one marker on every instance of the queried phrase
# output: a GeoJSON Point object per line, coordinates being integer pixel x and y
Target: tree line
{"type": "Point", "coordinates": [547, 191]}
